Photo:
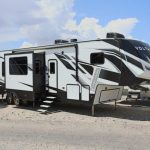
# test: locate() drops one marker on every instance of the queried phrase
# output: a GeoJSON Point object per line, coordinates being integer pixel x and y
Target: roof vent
{"type": "Point", "coordinates": [60, 41]}
{"type": "Point", "coordinates": [115, 35]}
{"type": "Point", "coordinates": [73, 40]}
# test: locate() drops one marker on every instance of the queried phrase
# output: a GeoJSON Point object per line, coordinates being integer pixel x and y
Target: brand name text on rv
{"type": "Point", "coordinates": [142, 48]}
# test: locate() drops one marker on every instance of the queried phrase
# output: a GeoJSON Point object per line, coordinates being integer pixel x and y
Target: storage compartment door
{"type": "Point", "coordinates": [73, 92]}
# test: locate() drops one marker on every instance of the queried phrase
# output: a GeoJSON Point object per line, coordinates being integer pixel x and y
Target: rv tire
{"type": "Point", "coordinates": [16, 100]}
{"type": "Point", "coordinates": [9, 98]}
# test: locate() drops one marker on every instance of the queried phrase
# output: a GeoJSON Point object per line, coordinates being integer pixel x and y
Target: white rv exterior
{"type": "Point", "coordinates": [90, 71]}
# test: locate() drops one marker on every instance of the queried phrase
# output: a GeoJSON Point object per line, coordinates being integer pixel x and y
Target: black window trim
{"type": "Point", "coordinates": [97, 63]}
{"type": "Point", "coordinates": [11, 65]}
{"type": "Point", "coordinates": [3, 69]}
{"type": "Point", "coordinates": [54, 70]}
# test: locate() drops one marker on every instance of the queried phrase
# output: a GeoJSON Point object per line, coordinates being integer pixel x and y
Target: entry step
{"type": "Point", "coordinates": [48, 102]}
{"type": "Point", "coordinates": [42, 111]}
{"type": "Point", "coordinates": [51, 94]}
{"type": "Point", "coordinates": [50, 97]}
{"type": "Point", "coordinates": [45, 106]}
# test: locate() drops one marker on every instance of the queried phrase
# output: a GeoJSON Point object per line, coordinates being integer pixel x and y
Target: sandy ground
{"type": "Point", "coordinates": [70, 127]}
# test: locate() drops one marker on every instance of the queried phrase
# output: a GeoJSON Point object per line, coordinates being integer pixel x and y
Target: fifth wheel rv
{"type": "Point", "coordinates": [90, 72]}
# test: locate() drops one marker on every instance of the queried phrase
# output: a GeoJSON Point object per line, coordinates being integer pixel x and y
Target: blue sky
{"type": "Point", "coordinates": [32, 22]}
{"type": "Point", "coordinates": [106, 10]}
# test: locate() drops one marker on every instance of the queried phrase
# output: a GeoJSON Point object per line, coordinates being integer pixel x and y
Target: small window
{"type": "Point", "coordinates": [37, 66]}
{"type": "Point", "coordinates": [18, 66]}
{"type": "Point", "coordinates": [3, 69]}
{"type": "Point", "coordinates": [97, 58]}
{"type": "Point", "coordinates": [52, 68]}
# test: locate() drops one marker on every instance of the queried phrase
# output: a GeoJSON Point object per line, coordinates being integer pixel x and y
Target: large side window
{"type": "Point", "coordinates": [18, 66]}
{"type": "Point", "coordinates": [97, 58]}
{"type": "Point", "coordinates": [3, 69]}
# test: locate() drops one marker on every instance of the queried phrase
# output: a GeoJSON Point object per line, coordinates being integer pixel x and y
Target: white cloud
{"type": "Point", "coordinates": [27, 44]}
{"type": "Point", "coordinates": [122, 25]}
{"type": "Point", "coordinates": [54, 16]}
{"type": "Point", "coordinates": [54, 10]}
{"type": "Point", "coordinates": [91, 28]}
{"type": "Point", "coordinates": [43, 21]}
{"type": "Point", "coordinates": [38, 21]}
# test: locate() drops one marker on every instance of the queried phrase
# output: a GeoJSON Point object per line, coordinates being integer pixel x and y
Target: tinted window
{"type": "Point", "coordinates": [128, 47]}
{"type": "Point", "coordinates": [52, 68]}
{"type": "Point", "coordinates": [97, 58]}
{"type": "Point", "coordinates": [3, 69]}
{"type": "Point", "coordinates": [142, 48]}
{"type": "Point", "coordinates": [18, 66]}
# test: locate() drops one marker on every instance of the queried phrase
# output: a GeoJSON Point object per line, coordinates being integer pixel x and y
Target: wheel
{"type": "Point", "coordinates": [16, 100]}
{"type": "Point", "coordinates": [9, 98]}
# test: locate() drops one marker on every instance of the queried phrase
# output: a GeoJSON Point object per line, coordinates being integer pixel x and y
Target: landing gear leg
{"type": "Point", "coordinates": [93, 110]}
{"type": "Point", "coordinates": [115, 104]}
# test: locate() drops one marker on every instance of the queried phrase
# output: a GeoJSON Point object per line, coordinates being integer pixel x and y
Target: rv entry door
{"type": "Point", "coordinates": [53, 75]}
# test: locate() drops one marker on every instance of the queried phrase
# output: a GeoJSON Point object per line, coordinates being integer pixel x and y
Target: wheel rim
{"type": "Point", "coordinates": [16, 100]}
{"type": "Point", "coordinates": [9, 99]}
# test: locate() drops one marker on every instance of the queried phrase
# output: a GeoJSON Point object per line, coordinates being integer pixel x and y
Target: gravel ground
{"type": "Point", "coordinates": [70, 127]}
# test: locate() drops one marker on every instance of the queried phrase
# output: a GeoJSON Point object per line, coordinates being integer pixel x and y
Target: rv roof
{"type": "Point", "coordinates": [49, 46]}
{"type": "Point", "coordinates": [53, 46]}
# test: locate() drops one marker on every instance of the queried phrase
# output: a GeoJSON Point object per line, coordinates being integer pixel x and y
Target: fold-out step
{"type": "Point", "coordinates": [42, 111]}
{"type": "Point", "coordinates": [48, 102]}
{"type": "Point", "coordinates": [45, 106]}
{"type": "Point", "coordinates": [50, 97]}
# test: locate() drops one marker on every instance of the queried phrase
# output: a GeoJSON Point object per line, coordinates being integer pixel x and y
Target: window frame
{"type": "Point", "coordinates": [50, 71]}
{"type": "Point", "coordinates": [94, 62]}
{"type": "Point", "coordinates": [17, 65]}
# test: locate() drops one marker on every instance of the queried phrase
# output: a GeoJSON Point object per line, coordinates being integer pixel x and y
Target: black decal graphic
{"type": "Point", "coordinates": [109, 75]}
{"type": "Point", "coordinates": [88, 68]}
